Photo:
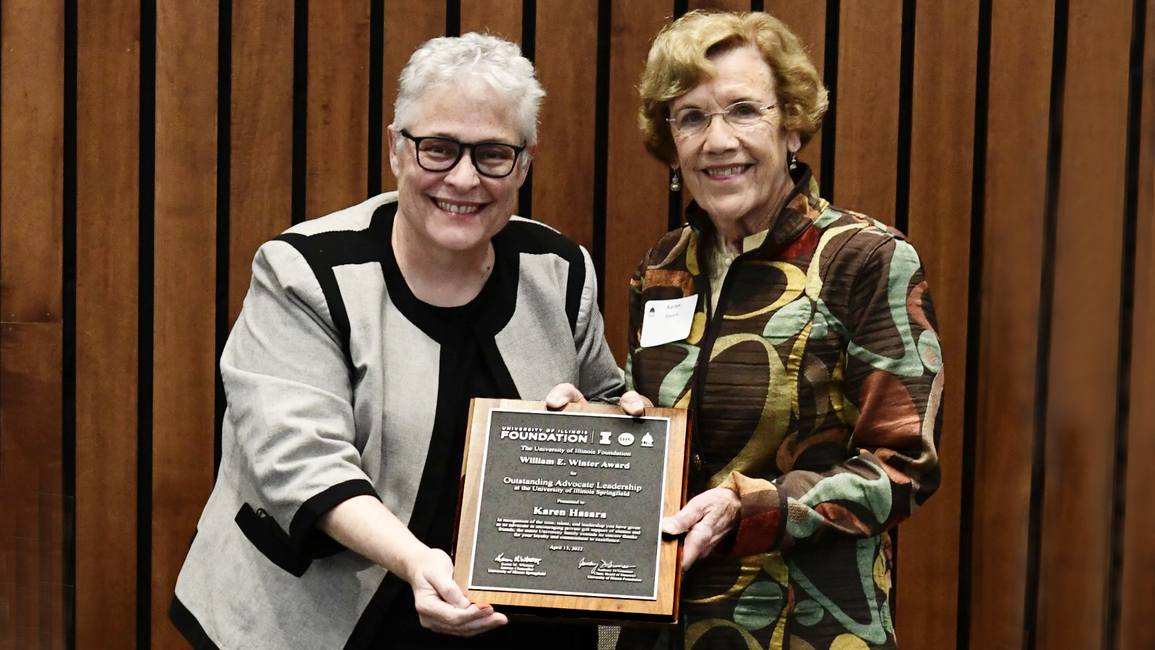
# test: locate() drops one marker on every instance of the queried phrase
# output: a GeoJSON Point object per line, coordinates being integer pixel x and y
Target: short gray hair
{"type": "Point", "coordinates": [495, 61]}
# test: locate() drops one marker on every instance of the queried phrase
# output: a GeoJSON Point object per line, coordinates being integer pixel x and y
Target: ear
{"type": "Point", "coordinates": [394, 162]}
{"type": "Point", "coordinates": [793, 141]}
{"type": "Point", "coordinates": [523, 169]}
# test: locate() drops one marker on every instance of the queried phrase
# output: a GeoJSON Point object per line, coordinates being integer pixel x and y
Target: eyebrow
{"type": "Point", "coordinates": [446, 136]}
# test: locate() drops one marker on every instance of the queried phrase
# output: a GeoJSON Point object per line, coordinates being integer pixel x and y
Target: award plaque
{"type": "Point", "coordinates": [560, 511]}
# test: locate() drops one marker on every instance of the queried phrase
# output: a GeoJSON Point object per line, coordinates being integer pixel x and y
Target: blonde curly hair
{"type": "Point", "coordinates": [680, 59]}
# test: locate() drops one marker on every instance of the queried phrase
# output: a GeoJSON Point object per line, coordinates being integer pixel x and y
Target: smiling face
{"type": "Point", "coordinates": [737, 174]}
{"type": "Point", "coordinates": [455, 213]}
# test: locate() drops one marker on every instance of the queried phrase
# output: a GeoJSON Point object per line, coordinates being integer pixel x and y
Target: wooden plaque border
{"type": "Point", "coordinates": [664, 609]}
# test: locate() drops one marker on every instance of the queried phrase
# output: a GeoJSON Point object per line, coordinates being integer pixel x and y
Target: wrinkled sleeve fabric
{"type": "Point", "coordinates": [892, 385]}
{"type": "Point", "coordinates": [600, 379]}
{"type": "Point", "coordinates": [289, 394]}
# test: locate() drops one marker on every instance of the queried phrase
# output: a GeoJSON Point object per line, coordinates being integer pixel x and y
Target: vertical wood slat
{"type": "Point", "coordinates": [108, 153]}
{"type": "Point", "coordinates": [31, 316]}
{"type": "Point", "coordinates": [636, 183]}
{"type": "Point", "coordinates": [942, 146]}
{"type": "Point", "coordinates": [408, 24]}
{"type": "Point", "coordinates": [498, 17]}
{"type": "Point", "coordinates": [1085, 345]}
{"type": "Point", "coordinates": [337, 150]}
{"type": "Point", "coordinates": [32, 512]}
{"type": "Point", "coordinates": [808, 20]}
{"type": "Point", "coordinates": [719, 5]}
{"type": "Point", "coordinates": [1136, 627]}
{"type": "Point", "coordinates": [566, 61]}
{"type": "Point", "coordinates": [184, 291]}
{"type": "Point", "coordinates": [261, 147]}
{"type": "Point", "coordinates": [1021, 38]}
{"type": "Point", "coordinates": [31, 143]}
{"type": "Point", "coordinates": [866, 154]}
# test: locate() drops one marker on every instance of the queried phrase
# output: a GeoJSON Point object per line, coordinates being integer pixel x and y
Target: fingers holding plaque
{"type": "Point", "coordinates": [561, 510]}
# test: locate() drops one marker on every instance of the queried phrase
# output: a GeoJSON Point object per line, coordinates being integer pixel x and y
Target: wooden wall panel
{"type": "Point", "coordinates": [31, 494]}
{"type": "Point", "coordinates": [338, 111]}
{"type": "Point", "coordinates": [498, 17]}
{"type": "Point", "coordinates": [184, 306]}
{"type": "Point", "coordinates": [1021, 36]}
{"type": "Point", "coordinates": [107, 252]}
{"type": "Point", "coordinates": [563, 172]}
{"type": "Point", "coordinates": [31, 146]}
{"type": "Point", "coordinates": [637, 185]}
{"type": "Point", "coordinates": [32, 503]}
{"type": "Point", "coordinates": [719, 5]}
{"type": "Point", "coordinates": [1136, 628]}
{"type": "Point", "coordinates": [1085, 328]}
{"type": "Point", "coordinates": [261, 131]}
{"type": "Point", "coordinates": [808, 20]}
{"type": "Point", "coordinates": [408, 24]}
{"type": "Point", "coordinates": [942, 146]}
{"type": "Point", "coordinates": [866, 152]}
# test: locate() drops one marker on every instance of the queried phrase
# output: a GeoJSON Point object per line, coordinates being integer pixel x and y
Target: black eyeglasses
{"type": "Point", "coordinates": [438, 154]}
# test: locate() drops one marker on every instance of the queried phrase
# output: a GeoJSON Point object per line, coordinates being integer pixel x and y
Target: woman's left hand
{"type": "Point", "coordinates": [633, 403]}
{"type": "Point", "coordinates": [706, 520]}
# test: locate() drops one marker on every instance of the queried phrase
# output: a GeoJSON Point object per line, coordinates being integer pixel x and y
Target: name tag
{"type": "Point", "coordinates": [665, 321]}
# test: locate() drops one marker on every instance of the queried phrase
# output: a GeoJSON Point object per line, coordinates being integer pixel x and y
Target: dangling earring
{"type": "Point", "coordinates": [793, 160]}
{"type": "Point", "coordinates": [675, 181]}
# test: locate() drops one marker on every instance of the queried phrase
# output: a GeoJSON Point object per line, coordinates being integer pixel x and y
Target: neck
{"type": "Point", "coordinates": [731, 234]}
{"type": "Point", "coordinates": [440, 277]}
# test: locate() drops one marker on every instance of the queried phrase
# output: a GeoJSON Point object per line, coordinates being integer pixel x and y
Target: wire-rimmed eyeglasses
{"type": "Point", "coordinates": [692, 121]}
{"type": "Point", "coordinates": [440, 154]}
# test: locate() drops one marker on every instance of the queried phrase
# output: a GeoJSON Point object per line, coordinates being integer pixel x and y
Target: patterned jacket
{"type": "Point", "coordinates": [816, 389]}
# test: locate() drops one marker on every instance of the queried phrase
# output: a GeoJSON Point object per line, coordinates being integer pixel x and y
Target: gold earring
{"type": "Point", "coordinates": [675, 182]}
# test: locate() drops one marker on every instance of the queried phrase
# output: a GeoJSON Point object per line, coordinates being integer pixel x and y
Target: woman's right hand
{"type": "Point", "coordinates": [441, 605]}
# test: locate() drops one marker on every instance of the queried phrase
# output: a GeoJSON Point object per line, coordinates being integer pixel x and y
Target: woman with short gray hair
{"type": "Point", "coordinates": [349, 373]}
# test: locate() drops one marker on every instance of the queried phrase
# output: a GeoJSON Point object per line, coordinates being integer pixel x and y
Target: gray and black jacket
{"type": "Point", "coordinates": [331, 376]}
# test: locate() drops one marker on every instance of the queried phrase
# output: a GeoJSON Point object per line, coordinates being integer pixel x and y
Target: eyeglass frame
{"type": "Point", "coordinates": [762, 108]}
{"type": "Point", "coordinates": [462, 146]}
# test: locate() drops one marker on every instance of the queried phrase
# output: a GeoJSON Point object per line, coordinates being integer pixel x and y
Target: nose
{"type": "Point", "coordinates": [463, 175]}
{"type": "Point", "coordinates": [720, 135]}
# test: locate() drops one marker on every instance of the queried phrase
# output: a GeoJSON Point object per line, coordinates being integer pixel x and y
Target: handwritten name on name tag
{"type": "Point", "coordinates": [665, 321]}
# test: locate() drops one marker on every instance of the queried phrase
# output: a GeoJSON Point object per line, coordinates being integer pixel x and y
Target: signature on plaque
{"type": "Point", "coordinates": [609, 571]}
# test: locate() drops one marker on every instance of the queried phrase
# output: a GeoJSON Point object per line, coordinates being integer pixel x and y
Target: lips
{"type": "Point", "coordinates": [456, 207]}
{"type": "Point", "coordinates": [725, 172]}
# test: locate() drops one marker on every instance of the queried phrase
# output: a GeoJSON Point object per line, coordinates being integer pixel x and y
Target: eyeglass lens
{"type": "Point", "coordinates": [693, 120]}
{"type": "Point", "coordinates": [489, 158]}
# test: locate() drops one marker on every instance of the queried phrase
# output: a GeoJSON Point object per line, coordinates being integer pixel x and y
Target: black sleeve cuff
{"type": "Point", "coordinates": [303, 529]}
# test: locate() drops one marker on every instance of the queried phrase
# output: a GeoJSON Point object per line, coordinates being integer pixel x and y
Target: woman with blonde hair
{"type": "Point", "coordinates": [808, 352]}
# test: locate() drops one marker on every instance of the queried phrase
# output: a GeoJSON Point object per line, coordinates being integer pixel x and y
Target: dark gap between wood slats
{"type": "Point", "coordinates": [905, 121]}
{"type": "Point", "coordinates": [1114, 586]}
{"type": "Point", "coordinates": [757, 5]}
{"type": "Point", "coordinates": [601, 145]}
{"type": "Point", "coordinates": [830, 78]}
{"type": "Point", "coordinates": [974, 324]}
{"type": "Point", "coordinates": [300, 107]}
{"type": "Point", "coordinates": [224, 189]}
{"type": "Point", "coordinates": [674, 201]}
{"type": "Point", "coordinates": [529, 50]}
{"type": "Point", "coordinates": [68, 358]}
{"type": "Point", "coordinates": [147, 227]}
{"type": "Point", "coordinates": [453, 17]}
{"type": "Point", "coordinates": [1046, 310]}
{"type": "Point", "coordinates": [376, 90]}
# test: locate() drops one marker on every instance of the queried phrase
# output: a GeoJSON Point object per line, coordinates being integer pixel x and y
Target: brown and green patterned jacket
{"type": "Point", "coordinates": [816, 389]}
